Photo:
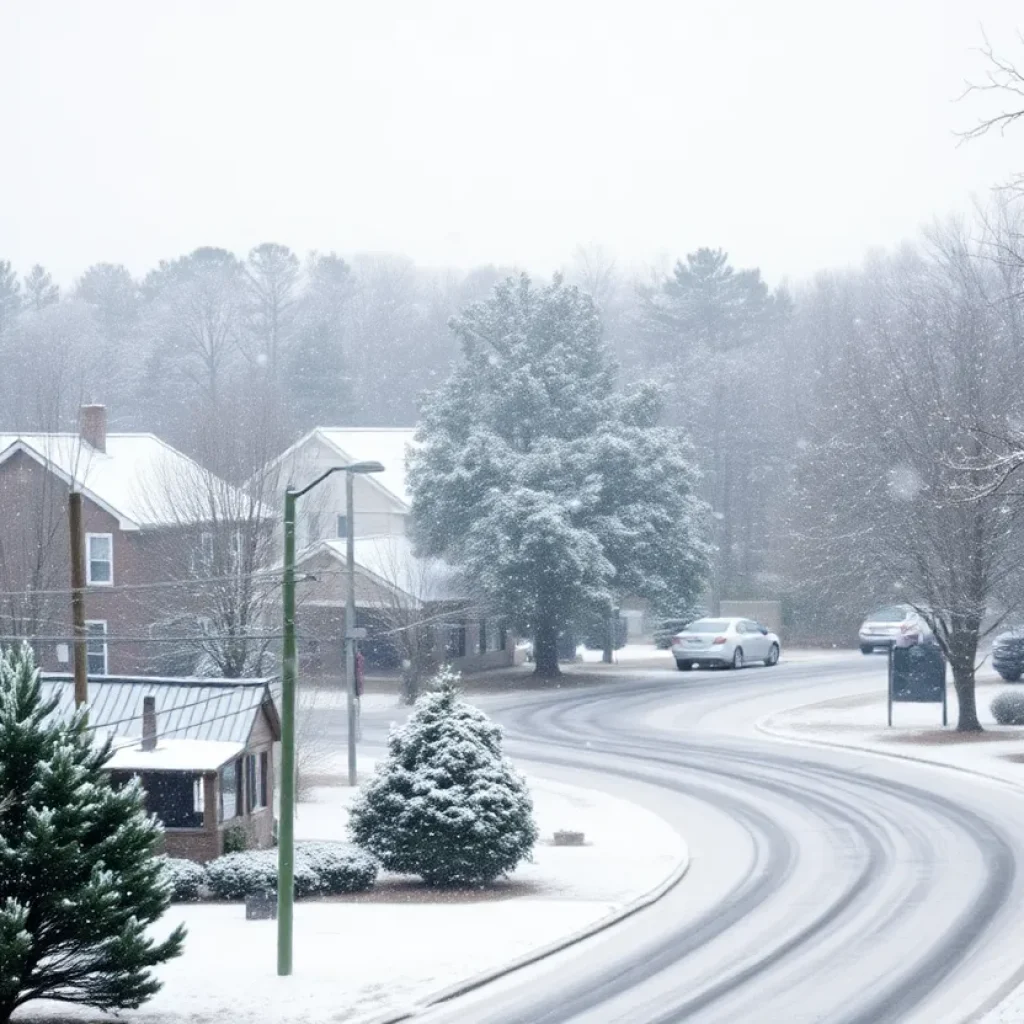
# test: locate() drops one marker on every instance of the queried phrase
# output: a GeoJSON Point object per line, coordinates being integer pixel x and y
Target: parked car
{"type": "Point", "coordinates": [725, 643]}
{"type": "Point", "coordinates": [883, 627]}
{"type": "Point", "coordinates": [665, 630]}
{"type": "Point", "coordinates": [1008, 655]}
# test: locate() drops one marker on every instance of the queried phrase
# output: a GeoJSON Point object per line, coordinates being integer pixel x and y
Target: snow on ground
{"type": "Point", "coordinates": [358, 957]}
{"type": "Point", "coordinates": [860, 721]}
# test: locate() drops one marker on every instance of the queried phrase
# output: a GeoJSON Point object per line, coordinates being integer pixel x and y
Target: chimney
{"type": "Point", "coordinates": [148, 722]}
{"type": "Point", "coordinates": [92, 426]}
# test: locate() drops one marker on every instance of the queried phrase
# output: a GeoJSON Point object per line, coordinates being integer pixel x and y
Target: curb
{"type": "Point", "coordinates": [461, 988]}
{"type": "Point", "coordinates": [778, 734]}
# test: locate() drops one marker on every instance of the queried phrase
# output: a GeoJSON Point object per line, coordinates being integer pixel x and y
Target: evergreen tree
{"type": "Point", "coordinates": [319, 393]}
{"type": "Point", "coordinates": [708, 321]}
{"type": "Point", "coordinates": [10, 295]}
{"type": "Point", "coordinates": [78, 880]}
{"type": "Point", "coordinates": [445, 804]}
{"type": "Point", "coordinates": [555, 493]}
{"type": "Point", "coordinates": [40, 291]}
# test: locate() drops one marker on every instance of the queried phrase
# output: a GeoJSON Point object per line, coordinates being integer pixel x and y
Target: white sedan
{"type": "Point", "coordinates": [729, 643]}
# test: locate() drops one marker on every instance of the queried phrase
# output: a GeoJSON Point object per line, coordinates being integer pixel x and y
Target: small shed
{"type": "Point", "coordinates": [203, 750]}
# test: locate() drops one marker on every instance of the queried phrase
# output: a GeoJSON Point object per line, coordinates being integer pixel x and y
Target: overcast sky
{"type": "Point", "coordinates": [794, 133]}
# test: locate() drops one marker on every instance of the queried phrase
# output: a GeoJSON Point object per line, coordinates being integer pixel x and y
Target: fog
{"type": "Point", "coordinates": [795, 135]}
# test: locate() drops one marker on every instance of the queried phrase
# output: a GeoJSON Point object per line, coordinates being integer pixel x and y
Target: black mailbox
{"type": "Point", "coordinates": [917, 675]}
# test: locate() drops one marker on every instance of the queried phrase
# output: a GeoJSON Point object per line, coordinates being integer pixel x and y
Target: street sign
{"type": "Point", "coordinates": [917, 675]}
{"type": "Point", "coordinates": [359, 633]}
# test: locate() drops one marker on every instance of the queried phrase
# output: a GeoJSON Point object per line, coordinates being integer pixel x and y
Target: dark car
{"type": "Point", "coordinates": [668, 628]}
{"type": "Point", "coordinates": [1008, 655]}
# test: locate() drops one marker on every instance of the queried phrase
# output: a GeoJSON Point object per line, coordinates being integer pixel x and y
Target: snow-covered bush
{"type": "Point", "coordinates": [445, 804]}
{"type": "Point", "coordinates": [185, 878]}
{"type": "Point", "coordinates": [445, 678]}
{"type": "Point", "coordinates": [339, 868]}
{"type": "Point", "coordinates": [328, 868]}
{"type": "Point", "coordinates": [237, 875]}
{"type": "Point", "coordinates": [1008, 708]}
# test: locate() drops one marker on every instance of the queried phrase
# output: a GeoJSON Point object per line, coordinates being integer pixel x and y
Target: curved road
{"type": "Point", "coordinates": [825, 885]}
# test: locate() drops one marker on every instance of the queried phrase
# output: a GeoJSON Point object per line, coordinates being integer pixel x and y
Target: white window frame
{"type": "Point", "coordinates": [90, 640]}
{"type": "Point", "coordinates": [89, 538]}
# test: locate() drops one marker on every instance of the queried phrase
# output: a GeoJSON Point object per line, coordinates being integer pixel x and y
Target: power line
{"type": "Point", "coordinates": [223, 694]}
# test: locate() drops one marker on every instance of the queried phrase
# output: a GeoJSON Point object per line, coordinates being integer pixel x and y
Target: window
{"type": "Point", "coordinates": [99, 569]}
{"type": "Point", "coordinates": [230, 779]}
{"type": "Point", "coordinates": [255, 782]}
{"type": "Point", "coordinates": [342, 526]}
{"type": "Point", "coordinates": [483, 636]}
{"type": "Point", "coordinates": [96, 647]}
{"type": "Point", "coordinates": [264, 776]}
{"type": "Point", "coordinates": [171, 796]}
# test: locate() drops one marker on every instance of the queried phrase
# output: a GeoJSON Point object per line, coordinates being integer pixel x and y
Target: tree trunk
{"type": "Point", "coordinates": [963, 647]}
{"type": "Point", "coordinates": [545, 651]}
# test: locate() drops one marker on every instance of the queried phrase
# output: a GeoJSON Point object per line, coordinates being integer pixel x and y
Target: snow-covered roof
{"type": "Point", "coordinates": [173, 755]}
{"type": "Point", "coordinates": [389, 558]}
{"type": "Point", "coordinates": [222, 710]}
{"type": "Point", "coordinates": [386, 445]}
{"type": "Point", "coordinates": [138, 479]}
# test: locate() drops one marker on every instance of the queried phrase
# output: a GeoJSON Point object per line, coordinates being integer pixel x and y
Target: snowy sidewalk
{"type": "Point", "coordinates": [378, 953]}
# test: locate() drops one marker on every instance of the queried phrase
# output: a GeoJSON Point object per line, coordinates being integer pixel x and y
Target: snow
{"type": "Point", "coordinates": [358, 957]}
{"type": "Point", "coordinates": [390, 558]}
{"type": "Point", "coordinates": [859, 721]}
{"type": "Point", "coordinates": [173, 755]}
{"type": "Point", "coordinates": [385, 445]}
{"type": "Point", "coordinates": [139, 479]}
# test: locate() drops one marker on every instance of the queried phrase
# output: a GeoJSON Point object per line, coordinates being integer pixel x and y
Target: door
{"type": "Point", "coordinates": [755, 643]}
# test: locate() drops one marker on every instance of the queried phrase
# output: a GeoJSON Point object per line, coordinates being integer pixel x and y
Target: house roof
{"type": "Point", "coordinates": [390, 560]}
{"type": "Point", "coordinates": [217, 710]}
{"type": "Point", "coordinates": [173, 755]}
{"type": "Point", "coordinates": [387, 445]}
{"type": "Point", "coordinates": [139, 479]}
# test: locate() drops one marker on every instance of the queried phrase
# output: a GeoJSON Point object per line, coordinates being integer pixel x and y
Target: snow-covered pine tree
{"type": "Point", "coordinates": [79, 883]}
{"type": "Point", "coordinates": [555, 492]}
{"type": "Point", "coordinates": [445, 804]}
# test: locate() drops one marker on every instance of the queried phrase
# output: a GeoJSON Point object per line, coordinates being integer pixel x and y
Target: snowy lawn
{"type": "Point", "coordinates": [860, 721]}
{"type": "Point", "coordinates": [359, 956]}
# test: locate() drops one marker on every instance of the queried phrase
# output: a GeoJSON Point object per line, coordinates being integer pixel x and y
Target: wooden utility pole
{"type": "Point", "coordinates": [78, 598]}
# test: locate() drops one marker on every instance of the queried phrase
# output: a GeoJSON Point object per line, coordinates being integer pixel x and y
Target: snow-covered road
{"type": "Point", "coordinates": [825, 885]}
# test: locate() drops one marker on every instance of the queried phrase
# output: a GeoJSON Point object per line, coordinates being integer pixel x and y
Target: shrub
{"type": "Point", "coordinates": [328, 868]}
{"type": "Point", "coordinates": [339, 868]}
{"type": "Point", "coordinates": [236, 839]}
{"type": "Point", "coordinates": [445, 804]}
{"type": "Point", "coordinates": [1008, 708]}
{"type": "Point", "coordinates": [237, 875]}
{"type": "Point", "coordinates": [185, 878]}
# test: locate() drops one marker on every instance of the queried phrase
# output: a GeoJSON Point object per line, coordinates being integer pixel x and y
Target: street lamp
{"type": "Point", "coordinates": [286, 828]}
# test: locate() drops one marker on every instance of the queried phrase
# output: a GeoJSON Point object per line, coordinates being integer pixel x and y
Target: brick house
{"type": "Point", "coordinates": [393, 586]}
{"type": "Point", "coordinates": [146, 511]}
{"type": "Point", "coordinates": [202, 749]}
